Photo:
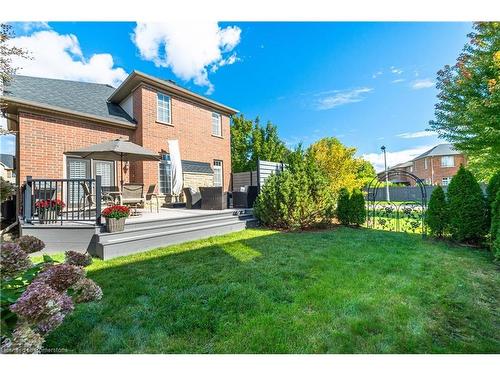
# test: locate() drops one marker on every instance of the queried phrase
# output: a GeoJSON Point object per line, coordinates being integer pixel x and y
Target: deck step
{"type": "Point", "coordinates": [159, 233]}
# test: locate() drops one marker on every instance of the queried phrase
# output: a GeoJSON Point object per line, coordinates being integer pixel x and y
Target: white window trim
{"type": "Point", "coordinates": [220, 124]}
{"type": "Point", "coordinates": [159, 177]}
{"type": "Point", "coordinates": [221, 168]}
{"type": "Point", "coordinates": [169, 108]}
{"type": "Point", "coordinates": [447, 166]}
{"type": "Point", "coordinates": [426, 166]}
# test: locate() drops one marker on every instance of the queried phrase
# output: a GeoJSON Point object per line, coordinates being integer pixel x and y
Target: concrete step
{"type": "Point", "coordinates": [169, 232]}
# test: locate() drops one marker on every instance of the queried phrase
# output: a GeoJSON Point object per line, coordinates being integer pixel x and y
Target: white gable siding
{"type": "Point", "coordinates": [128, 105]}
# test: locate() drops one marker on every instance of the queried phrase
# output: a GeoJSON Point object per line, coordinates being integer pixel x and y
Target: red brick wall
{"type": "Point", "coordinates": [191, 125]}
{"type": "Point", "coordinates": [435, 172]}
{"type": "Point", "coordinates": [42, 141]}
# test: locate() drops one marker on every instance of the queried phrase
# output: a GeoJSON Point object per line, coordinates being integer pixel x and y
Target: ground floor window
{"type": "Point", "coordinates": [218, 176]}
{"type": "Point", "coordinates": [165, 175]}
{"type": "Point", "coordinates": [445, 181]}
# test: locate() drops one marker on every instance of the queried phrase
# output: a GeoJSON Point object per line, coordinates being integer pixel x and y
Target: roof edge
{"type": "Point", "coordinates": [128, 85]}
{"type": "Point", "coordinates": [47, 107]}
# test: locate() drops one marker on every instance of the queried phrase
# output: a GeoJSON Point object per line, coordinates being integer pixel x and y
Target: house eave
{"type": "Point", "coordinates": [16, 104]}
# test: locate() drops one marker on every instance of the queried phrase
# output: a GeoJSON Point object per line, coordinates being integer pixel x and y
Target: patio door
{"type": "Point", "coordinates": [80, 169]}
{"type": "Point", "coordinates": [105, 169]}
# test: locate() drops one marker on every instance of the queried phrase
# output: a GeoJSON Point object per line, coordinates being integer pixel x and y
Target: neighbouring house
{"type": "Point", "coordinates": [7, 167]}
{"type": "Point", "coordinates": [436, 166]}
{"type": "Point", "coordinates": [51, 117]}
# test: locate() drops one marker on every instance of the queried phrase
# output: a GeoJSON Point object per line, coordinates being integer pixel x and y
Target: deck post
{"type": "Point", "coordinates": [27, 201]}
{"type": "Point", "coordinates": [98, 198]}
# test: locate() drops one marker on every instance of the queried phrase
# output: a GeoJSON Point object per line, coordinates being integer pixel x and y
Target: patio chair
{"type": "Point", "coordinates": [132, 195]}
{"type": "Point", "coordinates": [149, 198]}
{"type": "Point", "coordinates": [87, 201]}
{"type": "Point", "coordinates": [213, 198]}
{"type": "Point", "coordinates": [245, 198]}
{"type": "Point", "coordinates": [193, 198]}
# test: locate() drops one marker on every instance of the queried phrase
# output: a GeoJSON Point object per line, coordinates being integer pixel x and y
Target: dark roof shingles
{"type": "Point", "coordinates": [84, 97]}
{"type": "Point", "coordinates": [196, 167]}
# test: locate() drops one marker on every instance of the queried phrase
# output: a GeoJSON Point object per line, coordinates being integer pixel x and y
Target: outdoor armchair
{"type": "Point", "coordinates": [193, 198]}
{"type": "Point", "coordinates": [150, 195]}
{"type": "Point", "coordinates": [245, 198]}
{"type": "Point", "coordinates": [213, 198]}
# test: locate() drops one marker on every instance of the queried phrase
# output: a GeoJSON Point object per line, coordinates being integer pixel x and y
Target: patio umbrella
{"type": "Point", "coordinates": [116, 150]}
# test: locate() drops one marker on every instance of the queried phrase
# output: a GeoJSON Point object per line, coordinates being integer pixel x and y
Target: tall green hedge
{"type": "Point", "coordinates": [495, 226]}
{"type": "Point", "coordinates": [357, 208]}
{"type": "Point", "coordinates": [467, 208]}
{"type": "Point", "coordinates": [437, 217]}
{"type": "Point", "coordinates": [343, 207]}
{"type": "Point", "coordinates": [296, 198]}
{"type": "Point", "coordinates": [491, 192]}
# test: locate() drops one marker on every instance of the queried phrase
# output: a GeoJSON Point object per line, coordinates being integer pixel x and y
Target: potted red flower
{"type": "Point", "coordinates": [49, 209]}
{"type": "Point", "coordinates": [115, 217]}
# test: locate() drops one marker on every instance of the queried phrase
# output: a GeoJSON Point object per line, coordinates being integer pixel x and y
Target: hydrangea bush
{"type": "Point", "coordinates": [35, 298]}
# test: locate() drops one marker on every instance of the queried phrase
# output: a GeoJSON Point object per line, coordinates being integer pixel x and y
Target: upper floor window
{"type": "Point", "coordinates": [163, 108]}
{"type": "Point", "coordinates": [216, 124]}
{"type": "Point", "coordinates": [425, 163]}
{"type": "Point", "coordinates": [447, 161]}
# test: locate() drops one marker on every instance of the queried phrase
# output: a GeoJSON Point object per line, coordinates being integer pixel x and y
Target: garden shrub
{"type": "Point", "coordinates": [491, 193]}
{"type": "Point", "coordinates": [437, 213]}
{"type": "Point", "coordinates": [343, 207]}
{"type": "Point", "coordinates": [357, 208]}
{"type": "Point", "coordinates": [467, 208]}
{"type": "Point", "coordinates": [35, 298]}
{"type": "Point", "coordinates": [296, 198]}
{"type": "Point", "coordinates": [495, 226]}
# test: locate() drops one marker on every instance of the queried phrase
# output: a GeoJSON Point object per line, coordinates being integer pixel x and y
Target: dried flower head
{"type": "Point", "coordinates": [24, 340]}
{"type": "Point", "coordinates": [30, 244]}
{"type": "Point", "coordinates": [50, 323]}
{"type": "Point", "coordinates": [38, 302]}
{"type": "Point", "coordinates": [61, 276]}
{"type": "Point", "coordinates": [77, 259]}
{"type": "Point", "coordinates": [87, 290]}
{"type": "Point", "coordinates": [13, 260]}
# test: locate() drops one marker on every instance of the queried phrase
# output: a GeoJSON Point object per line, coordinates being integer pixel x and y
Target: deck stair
{"type": "Point", "coordinates": [149, 234]}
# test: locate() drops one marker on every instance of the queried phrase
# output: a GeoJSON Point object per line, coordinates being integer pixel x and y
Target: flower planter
{"type": "Point", "coordinates": [48, 216]}
{"type": "Point", "coordinates": [115, 225]}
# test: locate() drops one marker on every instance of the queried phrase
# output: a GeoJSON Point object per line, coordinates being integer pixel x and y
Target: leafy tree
{"type": "Point", "coordinates": [467, 207]}
{"type": "Point", "coordinates": [437, 213]}
{"type": "Point", "coordinates": [296, 198]}
{"type": "Point", "coordinates": [338, 162]}
{"type": "Point", "coordinates": [492, 189]}
{"type": "Point", "coordinates": [495, 226]}
{"type": "Point", "coordinates": [357, 207]}
{"type": "Point", "coordinates": [468, 112]}
{"type": "Point", "coordinates": [343, 207]}
{"type": "Point", "coordinates": [250, 142]}
{"type": "Point", "coordinates": [365, 172]}
{"type": "Point", "coordinates": [6, 189]}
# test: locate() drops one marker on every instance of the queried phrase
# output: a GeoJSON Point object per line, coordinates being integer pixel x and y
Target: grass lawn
{"type": "Point", "coordinates": [260, 291]}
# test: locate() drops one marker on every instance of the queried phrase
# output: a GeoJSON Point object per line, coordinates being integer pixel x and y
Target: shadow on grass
{"type": "Point", "coordinates": [347, 290]}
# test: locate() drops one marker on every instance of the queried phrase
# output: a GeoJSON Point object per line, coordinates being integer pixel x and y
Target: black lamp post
{"type": "Point", "coordinates": [386, 175]}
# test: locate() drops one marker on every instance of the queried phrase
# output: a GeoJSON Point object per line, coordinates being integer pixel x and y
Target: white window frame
{"type": "Point", "coordinates": [447, 157]}
{"type": "Point", "coordinates": [447, 179]}
{"type": "Point", "coordinates": [218, 168]}
{"type": "Point", "coordinates": [163, 112]}
{"type": "Point", "coordinates": [218, 132]}
{"type": "Point", "coordinates": [426, 166]}
{"type": "Point", "coordinates": [164, 161]}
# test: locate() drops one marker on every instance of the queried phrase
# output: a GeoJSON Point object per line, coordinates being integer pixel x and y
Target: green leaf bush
{"type": "Point", "coordinates": [343, 207]}
{"type": "Point", "coordinates": [297, 198]}
{"type": "Point", "coordinates": [437, 216]}
{"type": "Point", "coordinates": [495, 227]}
{"type": "Point", "coordinates": [357, 208]}
{"type": "Point", "coordinates": [467, 208]}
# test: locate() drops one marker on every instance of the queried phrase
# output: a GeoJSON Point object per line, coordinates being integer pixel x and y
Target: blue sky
{"type": "Point", "coordinates": [366, 83]}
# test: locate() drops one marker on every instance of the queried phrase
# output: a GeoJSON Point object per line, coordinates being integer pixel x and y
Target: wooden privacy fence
{"type": "Point", "coordinates": [258, 177]}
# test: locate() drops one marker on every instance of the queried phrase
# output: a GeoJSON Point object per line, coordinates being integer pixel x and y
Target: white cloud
{"type": "Point", "coordinates": [335, 98]}
{"type": "Point", "coordinates": [425, 83]}
{"type": "Point", "coordinates": [395, 70]}
{"type": "Point", "coordinates": [376, 74]}
{"type": "Point", "coordinates": [393, 158]}
{"type": "Point", "coordinates": [190, 49]}
{"type": "Point", "coordinates": [398, 80]}
{"type": "Point", "coordinates": [60, 56]}
{"type": "Point", "coordinates": [419, 134]}
{"type": "Point", "coordinates": [27, 27]}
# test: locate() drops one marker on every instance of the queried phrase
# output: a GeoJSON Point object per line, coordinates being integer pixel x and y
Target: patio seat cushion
{"type": "Point", "coordinates": [193, 198]}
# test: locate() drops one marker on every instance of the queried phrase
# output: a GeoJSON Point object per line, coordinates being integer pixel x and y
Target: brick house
{"type": "Point", "coordinates": [51, 117]}
{"type": "Point", "coordinates": [436, 166]}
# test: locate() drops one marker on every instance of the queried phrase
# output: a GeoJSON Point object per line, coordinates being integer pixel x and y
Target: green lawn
{"type": "Point", "coordinates": [260, 291]}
